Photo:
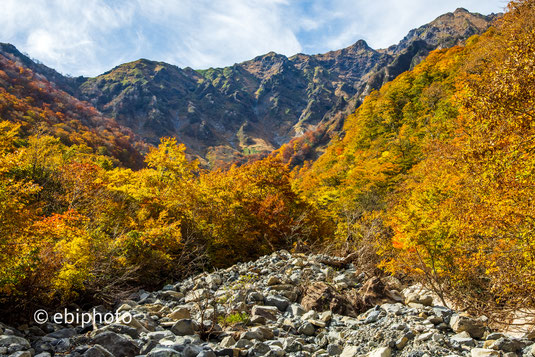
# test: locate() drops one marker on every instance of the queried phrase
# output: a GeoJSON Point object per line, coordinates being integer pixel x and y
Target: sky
{"type": "Point", "coordinates": [89, 37]}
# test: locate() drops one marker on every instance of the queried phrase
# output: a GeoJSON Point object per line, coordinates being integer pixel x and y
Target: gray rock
{"type": "Point", "coordinates": [116, 344]}
{"type": "Point", "coordinates": [306, 329]}
{"type": "Point", "coordinates": [63, 333]}
{"type": "Point", "coordinates": [251, 335]}
{"type": "Point", "coordinates": [184, 327]}
{"type": "Point", "coordinates": [243, 343]}
{"type": "Point", "coordinates": [164, 352]}
{"type": "Point", "coordinates": [259, 349]}
{"type": "Point", "coordinates": [228, 341]}
{"type": "Point", "coordinates": [373, 316]}
{"type": "Point", "coordinates": [61, 345]}
{"type": "Point", "coordinates": [206, 353]}
{"type": "Point", "coordinates": [122, 329]}
{"type": "Point", "coordinates": [297, 310]}
{"type": "Point", "coordinates": [97, 351]}
{"type": "Point", "coordinates": [43, 354]}
{"type": "Point", "coordinates": [192, 350]}
{"type": "Point", "coordinates": [7, 340]}
{"type": "Point", "coordinates": [334, 349]}
{"type": "Point", "coordinates": [21, 354]}
{"type": "Point", "coordinates": [158, 335]}
{"type": "Point", "coordinates": [291, 345]}
{"type": "Point", "coordinates": [280, 302]}
{"type": "Point", "coordinates": [507, 345]}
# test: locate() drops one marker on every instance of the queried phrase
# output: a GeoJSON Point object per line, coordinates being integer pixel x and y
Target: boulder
{"type": "Point", "coordinates": [7, 340]}
{"type": "Point", "coordinates": [117, 344]}
{"type": "Point", "coordinates": [280, 302]}
{"type": "Point", "coordinates": [461, 322]}
{"type": "Point", "coordinates": [322, 297]}
{"type": "Point", "coordinates": [184, 327]}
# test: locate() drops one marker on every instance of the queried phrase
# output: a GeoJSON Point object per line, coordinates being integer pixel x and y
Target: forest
{"type": "Point", "coordinates": [432, 181]}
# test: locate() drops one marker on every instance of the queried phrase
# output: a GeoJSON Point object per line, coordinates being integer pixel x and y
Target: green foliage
{"type": "Point", "coordinates": [234, 319]}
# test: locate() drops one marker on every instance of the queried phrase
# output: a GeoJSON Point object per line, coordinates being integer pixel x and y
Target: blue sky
{"type": "Point", "coordinates": [88, 37]}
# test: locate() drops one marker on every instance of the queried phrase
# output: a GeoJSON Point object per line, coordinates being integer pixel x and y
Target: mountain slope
{"type": "Point", "coordinates": [38, 106]}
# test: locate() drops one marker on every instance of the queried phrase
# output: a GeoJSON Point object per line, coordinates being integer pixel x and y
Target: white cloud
{"type": "Point", "coordinates": [91, 36]}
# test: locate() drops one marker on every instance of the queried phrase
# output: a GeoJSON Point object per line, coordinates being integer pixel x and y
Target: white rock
{"type": "Point", "coordinates": [381, 352]}
{"type": "Point", "coordinates": [484, 352]}
{"type": "Point", "coordinates": [349, 351]}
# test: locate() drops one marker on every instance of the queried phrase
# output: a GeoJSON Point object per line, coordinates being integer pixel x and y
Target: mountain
{"type": "Point", "coordinates": [39, 106]}
{"type": "Point", "coordinates": [224, 114]}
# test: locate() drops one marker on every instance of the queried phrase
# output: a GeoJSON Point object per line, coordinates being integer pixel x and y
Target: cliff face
{"type": "Point", "coordinates": [224, 114]}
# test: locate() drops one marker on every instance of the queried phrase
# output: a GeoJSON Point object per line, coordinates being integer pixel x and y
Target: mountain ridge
{"type": "Point", "coordinates": [256, 106]}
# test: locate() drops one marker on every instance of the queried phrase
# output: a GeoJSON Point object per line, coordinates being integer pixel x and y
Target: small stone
{"type": "Point", "coordinates": [334, 349]}
{"type": "Point", "coordinates": [373, 316]}
{"type": "Point", "coordinates": [273, 280]}
{"type": "Point", "coordinates": [416, 298]}
{"type": "Point", "coordinates": [158, 335]}
{"type": "Point", "coordinates": [317, 323]}
{"type": "Point", "coordinates": [255, 296]}
{"type": "Point", "coordinates": [197, 295]}
{"type": "Point", "coordinates": [307, 329]}
{"type": "Point", "coordinates": [173, 295]}
{"type": "Point", "coordinates": [44, 354]}
{"type": "Point", "coordinates": [424, 336]}
{"type": "Point", "coordinates": [463, 339]}
{"type": "Point", "coordinates": [401, 342]}
{"type": "Point", "coordinates": [326, 316]}
{"type": "Point", "coordinates": [251, 335]}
